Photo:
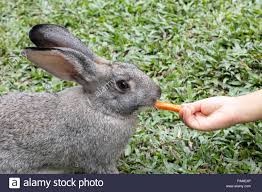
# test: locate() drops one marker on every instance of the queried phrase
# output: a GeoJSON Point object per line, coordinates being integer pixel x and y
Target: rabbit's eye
{"type": "Point", "coordinates": [122, 85]}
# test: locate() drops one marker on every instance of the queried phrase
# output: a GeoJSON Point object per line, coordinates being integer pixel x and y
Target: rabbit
{"type": "Point", "coordinates": [84, 128]}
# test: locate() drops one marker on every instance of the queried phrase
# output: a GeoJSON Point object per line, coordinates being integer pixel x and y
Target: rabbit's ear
{"type": "Point", "coordinates": [50, 35]}
{"type": "Point", "coordinates": [64, 63]}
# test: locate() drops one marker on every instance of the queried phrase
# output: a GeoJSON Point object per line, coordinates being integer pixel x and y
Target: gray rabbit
{"type": "Point", "coordinates": [80, 129]}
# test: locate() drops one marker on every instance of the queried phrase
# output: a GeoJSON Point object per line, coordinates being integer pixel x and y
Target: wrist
{"type": "Point", "coordinates": [249, 107]}
{"type": "Point", "coordinates": [240, 110]}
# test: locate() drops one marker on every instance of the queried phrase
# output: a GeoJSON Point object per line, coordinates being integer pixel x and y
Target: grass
{"type": "Point", "coordinates": [193, 49]}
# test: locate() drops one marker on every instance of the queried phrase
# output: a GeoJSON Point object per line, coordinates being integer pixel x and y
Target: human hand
{"type": "Point", "coordinates": [211, 113]}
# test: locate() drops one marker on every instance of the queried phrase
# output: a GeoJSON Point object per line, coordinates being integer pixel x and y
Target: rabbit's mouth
{"type": "Point", "coordinates": [153, 101]}
{"type": "Point", "coordinates": [142, 106]}
{"type": "Point", "coordinates": [149, 105]}
{"type": "Point", "coordinates": [150, 102]}
{"type": "Point", "coordinates": [157, 96]}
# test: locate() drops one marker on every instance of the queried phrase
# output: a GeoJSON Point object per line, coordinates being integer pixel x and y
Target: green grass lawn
{"type": "Point", "coordinates": [192, 49]}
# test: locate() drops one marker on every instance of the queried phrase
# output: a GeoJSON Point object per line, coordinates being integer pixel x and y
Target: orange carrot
{"type": "Point", "coordinates": [167, 106]}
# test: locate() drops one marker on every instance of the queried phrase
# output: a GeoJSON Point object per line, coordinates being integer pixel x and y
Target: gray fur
{"type": "Point", "coordinates": [79, 129]}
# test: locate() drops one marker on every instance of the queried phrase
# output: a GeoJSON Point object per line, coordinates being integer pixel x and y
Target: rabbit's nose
{"type": "Point", "coordinates": [158, 91]}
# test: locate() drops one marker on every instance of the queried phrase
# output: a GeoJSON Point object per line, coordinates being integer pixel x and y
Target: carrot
{"type": "Point", "coordinates": [167, 106]}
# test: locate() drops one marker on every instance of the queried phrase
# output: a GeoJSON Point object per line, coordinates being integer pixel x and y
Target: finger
{"type": "Point", "coordinates": [196, 120]}
{"type": "Point", "coordinates": [181, 112]}
{"type": "Point", "coordinates": [190, 120]}
{"type": "Point", "coordinates": [189, 117]}
{"type": "Point", "coordinates": [193, 117]}
{"type": "Point", "coordinates": [185, 113]}
{"type": "Point", "coordinates": [213, 122]}
{"type": "Point", "coordinates": [193, 107]}
{"type": "Point", "coordinates": [206, 106]}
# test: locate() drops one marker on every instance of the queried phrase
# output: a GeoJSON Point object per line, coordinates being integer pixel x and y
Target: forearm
{"type": "Point", "coordinates": [250, 107]}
